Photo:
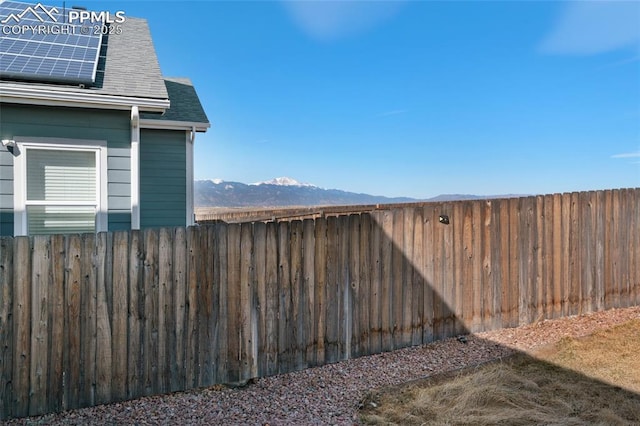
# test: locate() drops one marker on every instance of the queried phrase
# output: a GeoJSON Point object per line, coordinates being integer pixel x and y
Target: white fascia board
{"type": "Point", "coordinates": [150, 123]}
{"type": "Point", "coordinates": [42, 96]}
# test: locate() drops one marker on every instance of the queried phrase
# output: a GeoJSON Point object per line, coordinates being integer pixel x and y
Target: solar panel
{"type": "Point", "coordinates": [38, 43]}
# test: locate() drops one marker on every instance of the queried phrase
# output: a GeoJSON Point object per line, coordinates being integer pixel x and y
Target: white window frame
{"type": "Point", "coordinates": [62, 144]}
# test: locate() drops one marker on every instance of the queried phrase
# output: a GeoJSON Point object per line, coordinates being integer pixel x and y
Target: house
{"type": "Point", "coordinates": [94, 138]}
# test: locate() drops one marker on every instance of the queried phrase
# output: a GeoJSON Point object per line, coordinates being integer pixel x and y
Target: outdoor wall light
{"type": "Point", "coordinates": [8, 143]}
{"type": "Point", "coordinates": [444, 219]}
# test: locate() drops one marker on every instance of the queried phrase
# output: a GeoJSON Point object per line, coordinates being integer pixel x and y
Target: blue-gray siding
{"type": "Point", "coordinates": [6, 192]}
{"type": "Point", "coordinates": [163, 178]}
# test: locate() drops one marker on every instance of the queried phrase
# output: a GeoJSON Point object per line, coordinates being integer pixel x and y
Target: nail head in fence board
{"type": "Point", "coordinates": [119, 315]}
{"type": "Point", "coordinates": [309, 287]}
{"type": "Point", "coordinates": [6, 327]}
{"type": "Point", "coordinates": [21, 324]}
{"type": "Point", "coordinates": [104, 260]}
{"type": "Point", "coordinates": [285, 336]}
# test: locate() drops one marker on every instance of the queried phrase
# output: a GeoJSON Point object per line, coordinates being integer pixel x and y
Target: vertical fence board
{"type": "Point", "coordinates": [352, 289]}
{"type": "Point", "coordinates": [104, 292]}
{"type": "Point", "coordinates": [272, 300]}
{"type": "Point", "coordinates": [417, 278]}
{"type": "Point", "coordinates": [56, 325]}
{"type": "Point", "coordinates": [205, 308]}
{"type": "Point", "coordinates": [285, 338]}
{"type": "Point", "coordinates": [88, 324]}
{"type": "Point", "coordinates": [320, 272]}
{"type": "Point", "coordinates": [248, 366]}
{"type": "Point", "coordinates": [364, 296]}
{"type": "Point", "coordinates": [222, 280]}
{"type": "Point", "coordinates": [39, 365]}
{"type": "Point", "coordinates": [539, 261]}
{"type": "Point", "coordinates": [397, 277]}
{"type": "Point", "coordinates": [260, 259]}
{"type": "Point", "coordinates": [191, 359]}
{"type": "Point", "coordinates": [332, 293]}
{"type": "Point", "coordinates": [71, 356]}
{"type": "Point", "coordinates": [501, 257]}
{"type": "Point", "coordinates": [177, 339]}
{"type": "Point", "coordinates": [309, 291]}
{"type": "Point", "coordinates": [136, 311]}
{"type": "Point", "coordinates": [558, 282]}
{"type": "Point", "coordinates": [428, 280]}
{"type": "Point", "coordinates": [386, 272]}
{"type": "Point", "coordinates": [344, 316]}
{"type": "Point", "coordinates": [408, 305]}
{"type": "Point", "coordinates": [548, 257]}
{"type": "Point", "coordinates": [514, 263]}
{"type": "Point", "coordinates": [635, 243]}
{"type": "Point", "coordinates": [119, 315]}
{"type": "Point", "coordinates": [297, 295]}
{"type": "Point", "coordinates": [21, 326]}
{"type": "Point", "coordinates": [375, 315]}
{"type": "Point", "coordinates": [165, 308]}
{"type": "Point", "coordinates": [466, 255]}
{"type": "Point", "coordinates": [624, 246]}
{"type": "Point", "coordinates": [151, 308]}
{"type": "Point", "coordinates": [6, 327]}
{"type": "Point", "coordinates": [233, 294]}
{"type": "Point", "coordinates": [487, 307]}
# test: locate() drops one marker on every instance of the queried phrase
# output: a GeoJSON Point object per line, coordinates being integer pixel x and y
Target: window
{"type": "Point", "coordinates": [61, 190]}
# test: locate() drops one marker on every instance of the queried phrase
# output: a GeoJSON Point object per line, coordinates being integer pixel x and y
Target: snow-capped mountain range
{"type": "Point", "coordinates": [285, 191]}
{"type": "Point", "coordinates": [281, 191]}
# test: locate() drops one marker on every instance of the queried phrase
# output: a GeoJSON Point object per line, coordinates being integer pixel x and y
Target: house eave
{"type": "Point", "coordinates": [15, 93]}
{"type": "Point", "coordinates": [150, 123]}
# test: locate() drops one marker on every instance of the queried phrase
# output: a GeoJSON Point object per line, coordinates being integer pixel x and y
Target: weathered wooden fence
{"type": "Point", "coordinates": [89, 319]}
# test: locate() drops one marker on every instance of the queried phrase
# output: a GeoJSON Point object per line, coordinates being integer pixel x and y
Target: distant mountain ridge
{"type": "Point", "coordinates": [284, 191]}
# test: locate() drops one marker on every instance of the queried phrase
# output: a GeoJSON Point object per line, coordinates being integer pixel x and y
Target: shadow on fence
{"type": "Point", "coordinates": [90, 319]}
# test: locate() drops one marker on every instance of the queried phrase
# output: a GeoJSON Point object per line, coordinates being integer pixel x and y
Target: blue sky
{"type": "Point", "coordinates": [413, 98]}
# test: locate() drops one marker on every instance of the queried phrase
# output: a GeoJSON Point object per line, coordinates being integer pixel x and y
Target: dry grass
{"type": "Point", "coordinates": [592, 380]}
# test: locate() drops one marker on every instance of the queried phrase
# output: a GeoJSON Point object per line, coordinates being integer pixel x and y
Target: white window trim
{"type": "Point", "coordinates": [20, 177]}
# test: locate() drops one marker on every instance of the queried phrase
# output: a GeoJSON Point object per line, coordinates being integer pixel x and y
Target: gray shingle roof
{"type": "Point", "coordinates": [131, 67]}
{"type": "Point", "coordinates": [185, 104]}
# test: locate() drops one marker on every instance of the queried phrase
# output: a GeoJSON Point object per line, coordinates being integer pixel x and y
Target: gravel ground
{"type": "Point", "coordinates": [330, 395]}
